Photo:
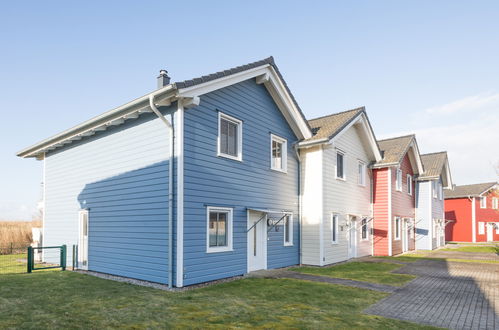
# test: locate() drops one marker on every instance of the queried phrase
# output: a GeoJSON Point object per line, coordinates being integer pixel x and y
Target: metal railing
{"type": "Point", "coordinates": [53, 257]}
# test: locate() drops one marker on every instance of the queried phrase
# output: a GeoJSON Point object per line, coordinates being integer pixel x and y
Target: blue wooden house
{"type": "Point", "coordinates": [195, 181]}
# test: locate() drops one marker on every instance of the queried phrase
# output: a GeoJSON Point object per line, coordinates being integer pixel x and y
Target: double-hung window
{"type": "Point", "coordinates": [230, 135]}
{"type": "Point", "coordinates": [334, 228]}
{"type": "Point", "coordinates": [340, 165]}
{"type": "Point", "coordinates": [398, 180]}
{"type": "Point", "coordinates": [397, 228]}
{"type": "Point", "coordinates": [278, 153]}
{"type": "Point", "coordinates": [362, 173]}
{"type": "Point", "coordinates": [483, 202]}
{"type": "Point", "coordinates": [219, 233]}
{"type": "Point", "coordinates": [495, 203]}
{"type": "Point", "coordinates": [288, 230]}
{"type": "Point", "coordinates": [409, 184]}
{"type": "Point", "coordinates": [364, 229]}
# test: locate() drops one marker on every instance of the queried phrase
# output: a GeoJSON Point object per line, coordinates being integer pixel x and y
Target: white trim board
{"type": "Point", "coordinates": [179, 149]}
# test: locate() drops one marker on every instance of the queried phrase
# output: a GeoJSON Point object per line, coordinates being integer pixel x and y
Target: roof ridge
{"type": "Point", "coordinates": [434, 153]}
{"type": "Point", "coordinates": [398, 137]}
{"type": "Point", "coordinates": [476, 184]}
{"type": "Point", "coordinates": [338, 113]}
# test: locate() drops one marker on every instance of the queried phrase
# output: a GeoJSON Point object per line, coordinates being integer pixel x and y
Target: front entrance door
{"type": "Point", "coordinates": [490, 232]}
{"type": "Point", "coordinates": [83, 240]}
{"type": "Point", "coordinates": [352, 238]}
{"type": "Point", "coordinates": [257, 241]}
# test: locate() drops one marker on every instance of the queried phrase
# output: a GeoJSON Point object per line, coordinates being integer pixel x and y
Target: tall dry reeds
{"type": "Point", "coordinates": [17, 233]}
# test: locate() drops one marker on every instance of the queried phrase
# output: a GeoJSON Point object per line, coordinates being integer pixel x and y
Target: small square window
{"type": "Point", "coordinates": [398, 180]}
{"type": "Point", "coordinates": [278, 153]}
{"type": "Point", "coordinates": [229, 137]}
{"type": "Point", "coordinates": [362, 174]}
{"type": "Point", "coordinates": [288, 230]}
{"type": "Point", "coordinates": [340, 165]}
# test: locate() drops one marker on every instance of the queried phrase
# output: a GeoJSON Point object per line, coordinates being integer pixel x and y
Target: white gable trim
{"type": "Point", "coordinates": [371, 140]}
{"type": "Point", "coordinates": [419, 164]}
{"type": "Point", "coordinates": [267, 76]}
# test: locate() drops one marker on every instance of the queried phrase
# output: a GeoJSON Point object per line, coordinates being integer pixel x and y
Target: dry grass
{"type": "Point", "coordinates": [17, 233]}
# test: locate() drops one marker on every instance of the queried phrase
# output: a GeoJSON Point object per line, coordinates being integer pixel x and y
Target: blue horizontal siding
{"type": "Point", "coordinates": [216, 181]}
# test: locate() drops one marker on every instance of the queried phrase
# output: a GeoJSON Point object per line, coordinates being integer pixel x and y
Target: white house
{"type": "Point", "coordinates": [337, 188]}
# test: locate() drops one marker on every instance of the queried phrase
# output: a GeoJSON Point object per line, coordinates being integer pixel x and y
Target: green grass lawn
{"type": "Point", "coordinates": [71, 300]}
{"type": "Point", "coordinates": [12, 263]}
{"type": "Point", "coordinates": [479, 249]}
{"type": "Point", "coordinates": [375, 272]}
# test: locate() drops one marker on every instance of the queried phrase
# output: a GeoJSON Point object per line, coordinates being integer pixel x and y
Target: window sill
{"type": "Point", "coordinates": [396, 239]}
{"type": "Point", "coordinates": [217, 250]}
{"type": "Point", "coordinates": [288, 244]}
{"type": "Point", "coordinates": [361, 185]}
{"type": "Point", "coordinates": [279, 170]}
{"type": "Point", "coordinates": [341, 179]}
{"type": "Point", "coordinates": [334, 243]}
{"type": "Point", "coordinates": [239, 159]}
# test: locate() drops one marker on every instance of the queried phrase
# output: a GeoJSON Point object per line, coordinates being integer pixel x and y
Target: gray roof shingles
{"type": "Point", "coordinates": [327, 127]}
{"type": "Point", "coordinates": [433, 164]}
{"type": "Point", "coordinates": [472, 190]}
{"type": "Point", "coordinates": [394, 149]}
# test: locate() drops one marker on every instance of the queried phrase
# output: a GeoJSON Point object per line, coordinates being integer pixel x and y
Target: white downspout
{"type": "Point", "coordinates": [170, 188]}
{"type": "Point", "coordinates": [295, 147]}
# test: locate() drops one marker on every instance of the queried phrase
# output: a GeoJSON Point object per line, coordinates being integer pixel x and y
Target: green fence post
{"type": "Point", "coordinates": [73, 258]}
{"type": "Point", "coordinates": [30, 259]}
{"type": "Point", "coordinates": [63, 257]}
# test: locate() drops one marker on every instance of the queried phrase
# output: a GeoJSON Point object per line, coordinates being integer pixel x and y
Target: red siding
{"type": "Point", "coordinates": [486, 215]}
{"type": "Point", "coordinates": [403, 204]}
{"type": "Point", "coordinates": [459, 210]}
{"type": "Point", "coordinates": [380, 200]}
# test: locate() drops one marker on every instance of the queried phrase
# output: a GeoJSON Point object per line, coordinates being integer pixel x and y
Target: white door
{"type": "Point", "coordinates": [490, 232]}
{"type": "Point", "coordinates": [352, 238]}
{"type": "Point", "coordinates": [257, 241]}
{"type": "Point", "coordinates": [83, 240]}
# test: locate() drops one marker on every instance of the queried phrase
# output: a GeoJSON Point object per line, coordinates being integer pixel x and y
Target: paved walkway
{"type": "Point", "coordinates": [283, 273]}
{"type": "Point", "coordinates": [455, 295]}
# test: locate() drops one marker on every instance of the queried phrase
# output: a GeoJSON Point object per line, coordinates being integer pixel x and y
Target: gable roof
{"type": "Point", "coordinates": [469, 190]}
{"type": "Point", "coordinates": [326, 127]}
{"type": "Point", "coordinates": [394, 150]}
{"type": "Point", "coordinates": [433, 163]}
{"type": "Point", "coordinates": [187, 93]}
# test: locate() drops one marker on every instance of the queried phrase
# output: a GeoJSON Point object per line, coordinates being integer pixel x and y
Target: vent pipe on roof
{"type": "Point", "coordinates": [163, 79]}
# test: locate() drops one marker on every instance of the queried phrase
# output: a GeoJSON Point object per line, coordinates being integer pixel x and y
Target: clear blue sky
{"type": "Point", "coordinates": [429, 67]}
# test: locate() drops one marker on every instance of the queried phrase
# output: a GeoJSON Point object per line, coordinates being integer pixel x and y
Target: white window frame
{"type": "Point", "coordinates": [344, 178]}
{"type": "Point", "coordinates": [398, 180]}
{"type": "Point", "coordinates": [361, 167]}
{"type": "Point", "coordinates": [481, 228]}
{"type": "Point", "coordinates": [440, 191]}
{"type": "Point", "coordinates": [290, 242]}
{"type": "Point", "coordinates": [409, 184]}
{"type": "Point", "coordinates": [215, 249]}
{"type": "Point", "coordinates": [497, 228]}
{"type": "Point", "coordinates": [495, 203]}
{"type": "Point", "coordinates": [362, 228]}
{"type": "Point", "coordinates": [239, 124]}
{"type": "Point", "coordinates": [483, 202]}
{"type": "Point", "coordinates": [398, 227]}
{"type": "Point", "coordinates": [284, 155]}
{"type": "Point", "coordinates": [334, 227]}
{"type": "Point", "coordinates": [434, 189]}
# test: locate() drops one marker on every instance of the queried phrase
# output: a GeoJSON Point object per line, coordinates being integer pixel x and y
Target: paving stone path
{"type": "Point", "coordinates": [455, 295]}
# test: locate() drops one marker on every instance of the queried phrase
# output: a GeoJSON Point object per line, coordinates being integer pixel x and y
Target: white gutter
{"type": "Point", "coordinates": [170, 188]}
{"type": "Point", "coordinates": [297, 153]}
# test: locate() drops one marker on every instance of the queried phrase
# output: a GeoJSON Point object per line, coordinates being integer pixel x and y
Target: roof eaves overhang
{"type": "Point", "coordinates": [114, 117]}
{"type": "Point", "coordinates": [266, 75]}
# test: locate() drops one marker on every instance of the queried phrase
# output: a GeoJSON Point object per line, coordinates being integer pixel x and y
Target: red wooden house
{"type": "Point", "coordinates": [472, 213]}
{"type": "Point", "coordinates": [394, 196]}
